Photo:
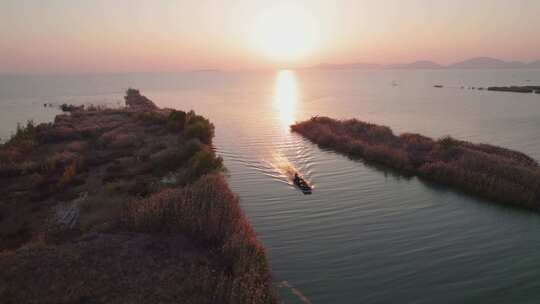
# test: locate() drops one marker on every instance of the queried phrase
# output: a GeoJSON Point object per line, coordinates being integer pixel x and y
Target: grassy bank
{"type": "Point", "coordinates": [124, 205]}
{"type": "Point", "coordinates": [488, 171]}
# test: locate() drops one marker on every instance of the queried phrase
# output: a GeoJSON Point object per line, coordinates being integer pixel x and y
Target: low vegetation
{"type": "Point", "coordinates": [492, 172]}
{"type": "Point", "coordinates": [76, 192]}
{"type": "Point", "coordinates": [177, 120]}
{"type": "Point", "coordinates": [208, 212]}
{"type": "Point", "coordinates": [21, 142]}
{"type": "Point", "coordinates": [199, 127]}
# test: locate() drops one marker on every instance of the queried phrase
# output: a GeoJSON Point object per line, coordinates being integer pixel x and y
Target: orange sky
{"type": "Point", "coordinates": [64, 36]}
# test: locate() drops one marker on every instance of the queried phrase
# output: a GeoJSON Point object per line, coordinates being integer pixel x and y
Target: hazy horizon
{"type": "Point", "coordinates": [61, 36]}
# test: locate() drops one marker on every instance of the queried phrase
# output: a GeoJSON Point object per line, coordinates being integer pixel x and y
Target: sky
{"type": "Point", "coordinates": [116, 36]}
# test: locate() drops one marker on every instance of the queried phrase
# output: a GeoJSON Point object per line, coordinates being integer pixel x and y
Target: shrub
{"type": "Point", "coordinates": [176, 120]}
{"type": "Point", "coordinates": [205, 162]}
{"type": "Point", "coordinates": [24, 137]}
{"type": "Point", "coordinates": [172, 159]}
{"type": "Point", "coordinates": [210, 214]}
{"type": "Point", "coordinates": [151, 117]}
{"type": "Point", "coordinates": [202, 130]}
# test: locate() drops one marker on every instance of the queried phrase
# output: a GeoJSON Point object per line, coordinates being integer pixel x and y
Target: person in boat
{"type": "Point", "coordinates": [300, 182]}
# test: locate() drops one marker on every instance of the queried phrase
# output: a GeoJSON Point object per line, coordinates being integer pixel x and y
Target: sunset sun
{"type": "Point", "coordinates": [285, 34]}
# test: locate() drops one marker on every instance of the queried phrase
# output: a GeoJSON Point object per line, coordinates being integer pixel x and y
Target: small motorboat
{"type": "Point", "coordinates": [302, 184]}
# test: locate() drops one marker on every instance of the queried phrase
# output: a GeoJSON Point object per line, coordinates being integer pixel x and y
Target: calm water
{"type": "Point", "coordinates": [366, 235]}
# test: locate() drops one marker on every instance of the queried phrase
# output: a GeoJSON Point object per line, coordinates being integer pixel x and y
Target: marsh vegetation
{"type": "Point", "coordinates": [492, 172]}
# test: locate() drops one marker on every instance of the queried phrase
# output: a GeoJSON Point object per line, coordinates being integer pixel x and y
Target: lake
{"type": "Point", "coordinates": [367, 234]}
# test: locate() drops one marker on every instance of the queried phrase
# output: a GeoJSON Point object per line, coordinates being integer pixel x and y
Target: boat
{"type": "Point", "coordinates": [302, 184]}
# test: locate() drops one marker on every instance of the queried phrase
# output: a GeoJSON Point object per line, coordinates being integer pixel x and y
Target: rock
{"type": "Point", "coordinates": [67, 214]}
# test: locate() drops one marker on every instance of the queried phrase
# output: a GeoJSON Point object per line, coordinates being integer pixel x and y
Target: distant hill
{"type": "Point", "coordinates": [422, 64]}
{"type": "Point", "coordinates": [358, 65]}
{"type": "Point", "coordinates": [473, 63]}
{"type": "Point", "coordinates": [487, 63]}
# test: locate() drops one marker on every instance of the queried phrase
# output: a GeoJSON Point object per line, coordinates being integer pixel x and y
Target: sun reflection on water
{"type": "Point", "coordinates": [285, 158]}
{"type": "Point", "coordinates": [286, 97]}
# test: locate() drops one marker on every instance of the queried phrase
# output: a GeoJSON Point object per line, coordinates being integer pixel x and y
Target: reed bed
{"type": "Point", "coordinates": [492, 172]}
{"type": "Point", "coordinates": [210, 214]}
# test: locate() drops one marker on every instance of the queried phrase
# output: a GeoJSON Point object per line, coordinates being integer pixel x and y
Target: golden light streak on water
{"type": "Point", "coordinates": [286, 97]}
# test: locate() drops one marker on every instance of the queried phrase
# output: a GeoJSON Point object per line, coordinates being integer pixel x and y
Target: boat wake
{"type": "Point", "coordinates": [286, 170]}
{"type": "Point", "coordinates": [295, 291]}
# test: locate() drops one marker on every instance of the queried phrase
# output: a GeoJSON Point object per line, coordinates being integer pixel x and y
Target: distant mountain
{"type": "Point", "coordinates": [487, 63]}
{"type": "Point", "coordinates": [358, 65]}
{"type": "Point", "coordinates": [473, 63]}
{"type": "Point", "coordinates": [422, 64]}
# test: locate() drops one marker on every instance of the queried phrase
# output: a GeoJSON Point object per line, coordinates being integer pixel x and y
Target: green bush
{"type": "Point", "coordinates": [176, 120]}
{"type": "Point", "coordinates": [176, 158]}
{"type": "Point", "coordinates": [203, 130]}
{"type": "Point", "coordinates": [205, 162]}
{"type": "Point", "coordinates": [24, 136]}
{"type": "Point", "coordinates": [151, 117]}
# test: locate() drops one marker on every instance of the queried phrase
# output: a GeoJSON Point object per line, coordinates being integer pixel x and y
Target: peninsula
{"type": "Point", "coordinates": [124, 205]}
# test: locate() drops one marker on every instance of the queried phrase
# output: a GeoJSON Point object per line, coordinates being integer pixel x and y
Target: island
{"type": "Point", "coordinates": [492, 172]}
{"type": "Point", "coordinates": [516, 89]}
{"type": "Point", "coordinates": [125, 205]}
{"type": "Point", "coordinates": [511, 89]}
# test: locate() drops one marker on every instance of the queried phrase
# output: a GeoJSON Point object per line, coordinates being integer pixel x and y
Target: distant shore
{"type": "Point", "coordinates": [472, 63]}
{"type": "Point", "coordinates": [512, 89]}
{"type": "Point", "coordinates": [121, 206]}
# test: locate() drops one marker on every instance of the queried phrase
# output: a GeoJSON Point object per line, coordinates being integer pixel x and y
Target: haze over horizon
{"type": "Point", "coordinates": [61, 36]}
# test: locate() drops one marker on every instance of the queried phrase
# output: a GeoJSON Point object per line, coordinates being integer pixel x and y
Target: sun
{"type": "Point", "coordinates": [285, 34]}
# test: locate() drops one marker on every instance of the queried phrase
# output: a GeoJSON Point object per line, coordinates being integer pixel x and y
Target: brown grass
{"type": "Point", "coordinates": [210, 214]}
{"type": "Point", "coordinates": [101, 211]}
